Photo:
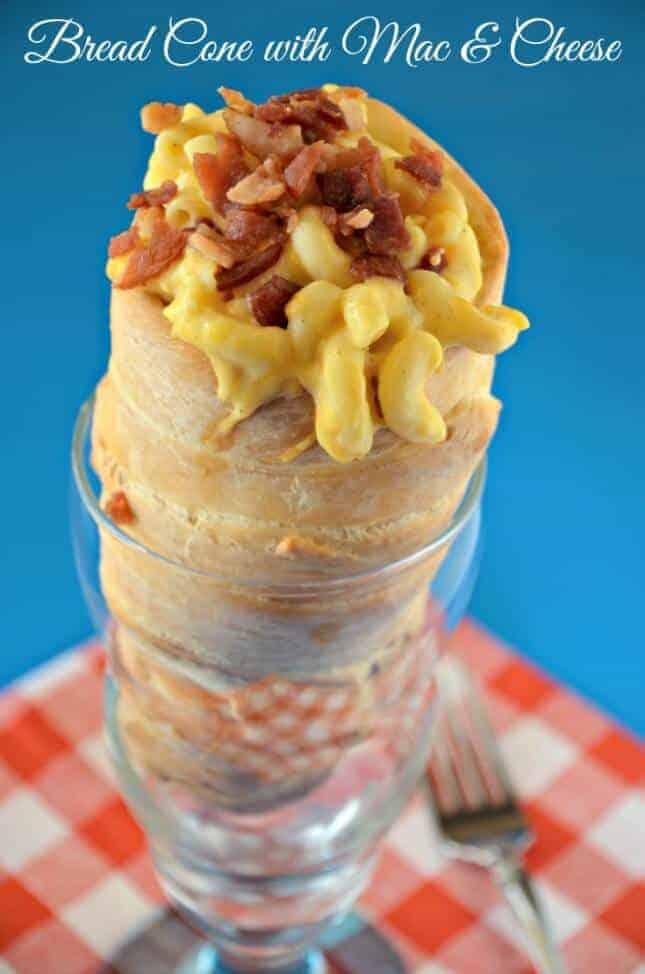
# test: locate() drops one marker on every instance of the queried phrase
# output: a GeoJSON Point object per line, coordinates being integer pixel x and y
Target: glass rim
{"type": "Point", "coordinates": [92, 505]}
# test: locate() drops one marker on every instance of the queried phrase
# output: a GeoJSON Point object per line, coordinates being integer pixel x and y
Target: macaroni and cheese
{"type": "Point", "coordinates": [372, 288]}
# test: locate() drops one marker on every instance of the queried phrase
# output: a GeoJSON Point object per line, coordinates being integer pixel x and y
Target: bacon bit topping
{"type": "Point", "coordinates": [300, 171]}
{"type": "Point", "coordinates": [217, 172]}
{"type": "Point", "coordinates": [154, 197]}
{"type": "Point", "coordinates": [434, 260]}
{"type": "Point", "coordinates": [208, 228]}
{"type": "Point", "coordinates": [377, 265]}
{"type": "Point", "coordinates": [420, 148]}
{"type": "Point", "coordinates": [292, 220]}
{"type": "Point", "coordinates": [352, 243]}
{"type": "Point", "coordinates": [300, 94]}
{"type": "Point", "coordinates": [165, 246]}
{"type": "Point", "coordinates": [246, 270]}
{"type": "Point", "coordinates": [329, 217]}
{"type": "Point", "coordinates": [365, 155]}
{"type": "Point", "coordinates": [371, 161]}
{"type": "Point", "coordinates": [146, 217]}
{"type": "Point", "coordinates": [269, 302]}
{"type": "Point", "coordinates": [236, 100]}
{"type": "Point", "coordinates": [262, 139]}
{"type": "Point", "coordinates": [358, 219]}
{"type": "Point", "coordinates": [264, 185]}
{"type": "Point", "coordinates": [245, 232]}
{"type": "Point", "coordinates": [387, 232]}
{"type": "Point", "coordinates": [352, 113]}
{"type": "Point", "coordinates": [354, 177]}
{"type": "Point", "coordinates": [124, 242]}
{"type": "Point", "coordinates": [212, 245]}
{"type": "Point", "coordinates": [425, 165]}
{"type": "Point", "coordinates": [118, 508]}
{"type": "Point", "coordinates": [273, 158]}
{"type": "Point", "coordinates": [248, 230]}
{"type": "Point", "coordinates": [345, 189]}
{"type": "Point", "coordinates": [287, 213]}
{"type": "Point", "coordinates": [157, 116]}
{"type": "Point", "coordinates": [317, 115]}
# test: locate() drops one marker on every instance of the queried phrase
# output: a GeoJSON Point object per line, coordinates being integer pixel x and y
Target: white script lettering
{"type": "Point", "coordinates": [189, 36]}
{"type": "Point", "coordinates": [538, 41]}
{"type": "Point", "coordinates": [65, 41]}
{"type": "Point", "coordinates": [364, 35]}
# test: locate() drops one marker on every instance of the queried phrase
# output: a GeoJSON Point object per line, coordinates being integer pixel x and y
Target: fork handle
{"type": "Point", "coordinates": [521, 897]}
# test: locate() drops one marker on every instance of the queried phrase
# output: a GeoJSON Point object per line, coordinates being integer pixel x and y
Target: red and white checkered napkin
{"type": "Point", "coordinates": [75, 880]}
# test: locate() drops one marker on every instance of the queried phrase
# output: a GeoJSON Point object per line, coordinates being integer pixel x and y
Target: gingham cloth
{"type": "Point", "coordinates": [76, 881]}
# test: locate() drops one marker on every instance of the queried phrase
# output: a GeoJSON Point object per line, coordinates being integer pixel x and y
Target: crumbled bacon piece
{"type": "Point", "coordinates": [246, 270]}
{"type": "Point", "coordinates": [213, 245]}
{"type": "Point", "coordinates": [244, 233]}
{"type": "Point", "coordinates": [354, 177]}
{"type": "Point", "coordinates": [154, 197]}
{"type": "Point", "coordinates": [371, 161]}
{"type": "Point", "coordinates": [345, 189]}
{"type": "Point", "coordinates": [157, 116]}
{"type": "Point", "coordinates": [124, 242]}
{"type": "Point", "coordinates": [422, 149]}
{"type": "Point", "coordinates": [329, 217]}
{"type": "Point", "coordinates": [366, 156]}
{"type": "Point", "coordinates": [352, 243]}
{"type": "Point", "coordinates": [269, 302]}
{"type": "Point", "coordinates": [275, 111]}
{"type": "Point", "coordinates": [236, 100]}
{"type": "Point", "coordinates": [262, 139]}
{"type": "Point", "coordinates": [300, 171]}
{"type": "Point", "coordinates": [146, 217]}
{"type": "Point", "coordinates": [377, 265]}
{"type": "Point", "coordinates": [285, 212]}
{"type": "Point", "coordinates": [248, 230]}
{"type": "Point", "coordinates": [208, 227]}
{"type": "Point", "coordinates": [434, 260]}
{"type": "Point", "coordinates": [358, 219]}
{"type": "Point", "coordinates": [300, 94]}
{"type": "Point", "coordinates": [352, 113]}
{"type": "Point", "coordinates": [118, 508]}
{"type": "Point", "coordinates": [330, 112]}
{"type": "Point", "coordinates": [425, 165]}
{"type": "Point", "coordinates": [317, 115]}
{"type": "Point", "coordinates": [217, 172]}
{"type": "Point", "coordinates": [165, 246]}
{"type": "Point", "coordinates": [264, 185]}
{"type": "Point", "coordinates": [288, 214]}
{"type": "Point", "coordinates": [387, 232]}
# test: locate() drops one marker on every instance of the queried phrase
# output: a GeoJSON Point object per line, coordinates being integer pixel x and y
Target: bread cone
{"type": "Point", "coordinates": [236, 526]}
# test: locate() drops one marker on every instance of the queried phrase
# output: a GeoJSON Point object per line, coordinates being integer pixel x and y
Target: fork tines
{"type": "Point", "coordinates": [473, 794]}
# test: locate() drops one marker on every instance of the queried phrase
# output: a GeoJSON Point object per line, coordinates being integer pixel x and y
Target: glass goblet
{"type": "Point", "coordinates": [266, 731]}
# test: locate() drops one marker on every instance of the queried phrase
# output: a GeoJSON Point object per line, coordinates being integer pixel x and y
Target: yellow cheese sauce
{"type": "Point", "coordinates": [345, 342]}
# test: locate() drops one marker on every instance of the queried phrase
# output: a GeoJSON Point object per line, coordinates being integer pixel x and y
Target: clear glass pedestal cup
{"type": "Point", "coordinates": [264, 734]}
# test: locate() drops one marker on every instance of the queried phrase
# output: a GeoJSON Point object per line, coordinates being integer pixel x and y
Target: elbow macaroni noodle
{"type": "Point", "coordinates": [342, 337]}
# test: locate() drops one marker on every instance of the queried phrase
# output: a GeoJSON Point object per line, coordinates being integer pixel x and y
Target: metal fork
{"type": "Point", "coordinates": [476, 808]}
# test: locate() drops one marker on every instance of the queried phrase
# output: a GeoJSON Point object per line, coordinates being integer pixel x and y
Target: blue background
{"type": "Point", "coordinates": [559, 148]}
